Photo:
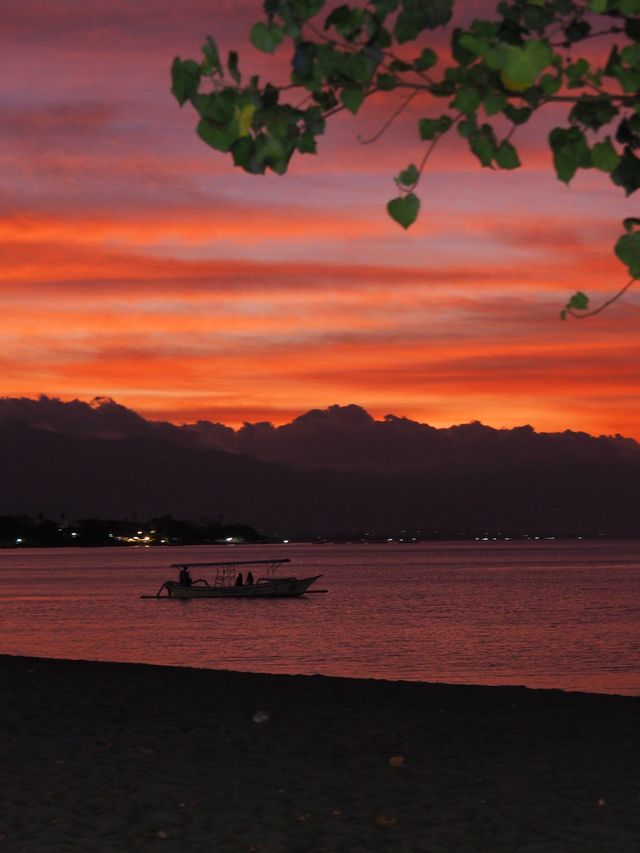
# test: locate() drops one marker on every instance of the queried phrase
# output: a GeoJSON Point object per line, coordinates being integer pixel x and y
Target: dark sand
{"type": "Point", "coordinates": [120, 757]}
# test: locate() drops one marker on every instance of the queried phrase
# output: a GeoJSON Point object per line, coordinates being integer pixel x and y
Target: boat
{"type": "Point", "coordinates": [229, 582]}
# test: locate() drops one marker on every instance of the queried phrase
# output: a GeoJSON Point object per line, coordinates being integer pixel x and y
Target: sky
{"type": "Point", "coordinates": [141, 265]}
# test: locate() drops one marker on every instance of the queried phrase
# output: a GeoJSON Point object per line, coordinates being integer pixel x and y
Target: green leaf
{"type": "Point", "coordinates": [631, 223]}
{"type": "Point", "coordinates": [430, 128]}
{"type": "Point", "coordinates": [399, 65]}
{"type": "Point", "coordinates": [244, 117]}
{"type": "Point", "coordinates": [627, 172]}
{"type": "Point", "coordinates": [476, 45]}
{"type": "Point", "coordinates": [346, 21]}
{"type": "Point", "coordinates": [521, 66]}
{"type": "Point", "coordinates": [467, 101]}
{"type": "Point", "coordinates": [386, 7]}
{"type": "Point", "coordinates": [242, 152]}
{"type": "Point", "coordinates": [303, 62]}
{"type": "Point", "coordinates": [604, 156]}
{"type": "Point", "coordinates": [483, 147]}
{"type": "Point", "coordinates": [232, 65]}
{"type": "Point", "coordinates": [631, 54]}
{"type": "Point", "coordinates": [468, 127]}
{"type": "Point", "coordinates": [550, 84]}
{"type": "Point", "coordinates": [494, 102]}
{"type": "Point", "coordinates": [462, 55]}
{"type": "Point", "coordinates": [185, 79]}
{"type": "Point", "coordinates": [577, 29]}
{"type": "Point", "coordinates": [307, 143]}
{"type": "Point", "coordinates": [632, 30]}
{"type": "Point", "coordinates": [426, 60]}
{"type": "Point", "coordinates": [352, 99]}
{"type": "Point", "coordinates": [518, 115]}
{"type": "Point", "coordinates": [598, 6]}
{"type": "Point", "coordinates": [274, 153]}
{"type": "Point", "coordinates": [386, 82]}
{"type": "Point", "coordinates": [211, 55]}
{"type": "Point", "coordinates": [419, 15]}
{"type": "Point", "coordinates": [306, 9]}
{"type": "Point", "coordinates": [220, 138]}
{"type": "Point", "coordinates": [628, 250]}
{"type": "Point", "coordinates": [629, 79]}
{"type": "Point", "coordinates": [579, 301]}
{"type": "Point", "coordinates": [593, 112]}
{"type": "Point", "coordinates": [220, 107]}
{"type": "Point", "coordinates": [404, 209]}
{"type": "Point", "coordinates": [576, 73]}
{"type": "Point", "coordinates": [507, 156]}
{"type": "Point", "coordinates": [266, 38]}
{"type": "Point", "coordinates": [359, 67]}
{"type": "Point", "coordinates": [570, 152]}
{"type": "Point", "coordinates": [409, 176]}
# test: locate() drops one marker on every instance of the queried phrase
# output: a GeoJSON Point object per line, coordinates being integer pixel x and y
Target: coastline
{"type": "Point", "coordinates": [115, 757]}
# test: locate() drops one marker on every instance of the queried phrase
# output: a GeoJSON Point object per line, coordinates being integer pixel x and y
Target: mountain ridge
{"type": "Point", "coordinates": [532, 484]}
{"type": "Point", "coordinates": [335, 437]}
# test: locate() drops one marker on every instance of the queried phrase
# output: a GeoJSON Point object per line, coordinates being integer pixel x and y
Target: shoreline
{"type": "Point", "coordinates": [112, 757]}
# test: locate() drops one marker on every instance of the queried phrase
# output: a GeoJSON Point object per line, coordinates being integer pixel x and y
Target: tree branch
{"type": "Point", "coordinates": [389, 121]}
{"type": "Point", "coordinates": [604, 304]}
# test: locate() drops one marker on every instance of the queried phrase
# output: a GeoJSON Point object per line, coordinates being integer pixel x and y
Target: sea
{"type": "Point", "coordinates": [542, 613]}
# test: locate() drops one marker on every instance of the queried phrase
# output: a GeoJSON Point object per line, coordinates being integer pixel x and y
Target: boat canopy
{"type": "Point", "coordinates": [232, 563]}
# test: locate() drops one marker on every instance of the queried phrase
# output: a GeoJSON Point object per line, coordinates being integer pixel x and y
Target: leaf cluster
{"type": "Point", "coordinates": [496, 76]}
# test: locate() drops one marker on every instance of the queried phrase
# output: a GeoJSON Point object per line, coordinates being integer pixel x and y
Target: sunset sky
{"type": "Point", "coordinates": [138, 263]}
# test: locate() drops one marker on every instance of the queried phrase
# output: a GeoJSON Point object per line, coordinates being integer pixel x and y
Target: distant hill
{"type": "Point", "coordinates": [331, 470]}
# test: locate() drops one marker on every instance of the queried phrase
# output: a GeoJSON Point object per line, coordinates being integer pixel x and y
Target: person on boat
{"type": "Point", "coordinates": [239, 579]}
{"type": "Point", "coordinates": [250, 579]}
{"type": "Point", "coordinates": [185, 577]}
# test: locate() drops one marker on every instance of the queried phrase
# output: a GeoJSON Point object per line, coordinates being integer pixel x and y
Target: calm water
{"type": "Point", "coordinates": [543, 614]}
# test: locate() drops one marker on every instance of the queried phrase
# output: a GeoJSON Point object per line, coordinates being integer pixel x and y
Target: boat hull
{"type": "Point", "coordinates": [276, 588]}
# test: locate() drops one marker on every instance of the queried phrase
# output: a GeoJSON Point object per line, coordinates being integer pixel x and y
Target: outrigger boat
{"type": "Point", "coordinates": [229, 582]}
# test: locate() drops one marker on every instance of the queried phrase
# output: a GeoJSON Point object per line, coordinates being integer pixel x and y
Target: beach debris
{"type": "Point", "coordinates": [384, 821]}
{"type": "Point", "coordinates": [162, 833]}
{"type": "Point", "coordinates": [261, 717]}
{"type": "Point", "coordinates": [336, 812]}
{"type": "Point", "coordinates": [397, 761]}
{"type": "Point", "coordinates": [602, 802]}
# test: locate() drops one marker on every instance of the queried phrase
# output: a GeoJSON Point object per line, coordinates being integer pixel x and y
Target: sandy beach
{"type": "Point", "coordinates": [118, 757]}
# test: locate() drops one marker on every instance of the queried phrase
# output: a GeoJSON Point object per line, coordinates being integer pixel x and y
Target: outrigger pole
{"type": "Point", "coordinates": [230, 563]}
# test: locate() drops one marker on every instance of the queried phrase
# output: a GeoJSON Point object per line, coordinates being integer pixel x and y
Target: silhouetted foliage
{"type": "Point", "coordinates": [497, 75]}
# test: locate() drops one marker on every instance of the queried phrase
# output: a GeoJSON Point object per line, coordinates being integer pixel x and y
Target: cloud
{"type": "Point", "coordinates": [346, 437]}
{"type": "Point", "coordinates": [137, 262]}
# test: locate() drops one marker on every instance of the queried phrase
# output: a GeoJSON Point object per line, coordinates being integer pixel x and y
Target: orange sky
{"type": "Point", "coordinates": [138, 264]}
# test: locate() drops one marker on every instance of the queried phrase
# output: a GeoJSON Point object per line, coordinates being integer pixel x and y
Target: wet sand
{"type": "Point", "coordinates": [122, 757]}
